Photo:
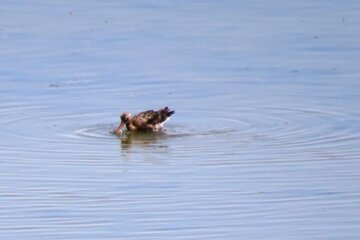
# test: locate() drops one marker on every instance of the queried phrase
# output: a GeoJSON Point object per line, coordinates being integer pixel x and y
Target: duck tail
{"type": "Point", "coordinates": [168, 112]}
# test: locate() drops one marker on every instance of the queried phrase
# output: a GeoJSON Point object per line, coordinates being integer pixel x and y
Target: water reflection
{"type": "Point", "coordinates": [144, 140]}
{"type": "Point", "coordinates": [148, 146]}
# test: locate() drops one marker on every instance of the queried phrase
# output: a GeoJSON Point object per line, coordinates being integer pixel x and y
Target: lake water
{"type": "Point", "coordinates": [264, 144]}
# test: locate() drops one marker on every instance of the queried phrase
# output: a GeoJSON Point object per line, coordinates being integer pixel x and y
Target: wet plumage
{"type": "Point", "coordinates": [146, 121]}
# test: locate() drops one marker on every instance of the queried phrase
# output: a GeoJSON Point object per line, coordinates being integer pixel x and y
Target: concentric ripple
{"type": "Point", "coordinates": [271, 127]}
{"type": "Point", "coordinates": [99, 131]}
{"type": "Point", "coordinates": [298, 127]}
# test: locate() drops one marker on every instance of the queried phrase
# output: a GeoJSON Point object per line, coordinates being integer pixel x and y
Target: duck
{"type": "Point", "coordinates": [146, 121]}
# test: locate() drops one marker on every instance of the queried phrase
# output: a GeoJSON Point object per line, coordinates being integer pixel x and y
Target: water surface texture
{"type": "Point", "coordinates": [264, 144]}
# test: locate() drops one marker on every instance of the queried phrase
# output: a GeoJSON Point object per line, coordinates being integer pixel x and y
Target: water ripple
{"type": "Point", "coordinates": [271, 127]}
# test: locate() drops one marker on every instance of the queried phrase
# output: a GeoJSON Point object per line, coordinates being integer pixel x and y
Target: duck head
{"type": "Point", "coordinates": [125, 119]}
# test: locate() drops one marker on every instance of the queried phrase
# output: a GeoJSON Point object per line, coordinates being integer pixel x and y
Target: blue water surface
{"type": "Point", "coordinates": [264, 144]}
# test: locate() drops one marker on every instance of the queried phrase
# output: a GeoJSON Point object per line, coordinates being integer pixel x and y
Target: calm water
{"type": "Point", "coordinates": [265, 142]}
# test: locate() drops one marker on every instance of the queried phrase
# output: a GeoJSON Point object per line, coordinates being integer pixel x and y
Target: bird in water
{"type": "Point", "coordinates": [147, 121]}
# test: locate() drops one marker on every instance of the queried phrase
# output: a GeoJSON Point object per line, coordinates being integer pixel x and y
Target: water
{"type": "Point", "coordinates": [264, 143]}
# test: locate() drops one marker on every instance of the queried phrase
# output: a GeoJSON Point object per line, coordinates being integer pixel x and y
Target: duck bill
{"type": "Point", "coordinates": [118, 130]}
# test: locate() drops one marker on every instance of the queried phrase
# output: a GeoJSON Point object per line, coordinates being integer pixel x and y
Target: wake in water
{"type": "Point", "coordinates": [108, 131]}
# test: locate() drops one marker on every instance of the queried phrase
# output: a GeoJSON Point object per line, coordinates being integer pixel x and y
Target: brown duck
{"type": "Point", "coordinates": [147, 121]}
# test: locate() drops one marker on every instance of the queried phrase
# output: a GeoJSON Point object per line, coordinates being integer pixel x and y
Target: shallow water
{"type": "Point", "coordinates": [264, 144]}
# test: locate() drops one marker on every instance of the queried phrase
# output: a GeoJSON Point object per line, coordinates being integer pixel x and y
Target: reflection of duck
{"type": "Point", "coordinates": [147, 121]}
{"type": "Point", "coordinates": [142, 139]}
{"type": "Point", "coordinates": [147, 146]}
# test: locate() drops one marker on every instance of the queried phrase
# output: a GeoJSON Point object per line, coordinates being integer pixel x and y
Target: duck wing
{"type": "Point", "coordinates": [148, 117]}
{"type": "Point", "coordinates": [152, 118]}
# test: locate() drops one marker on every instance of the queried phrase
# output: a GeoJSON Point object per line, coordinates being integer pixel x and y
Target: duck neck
{"type": "Point", "coordinates": [130, 126]}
